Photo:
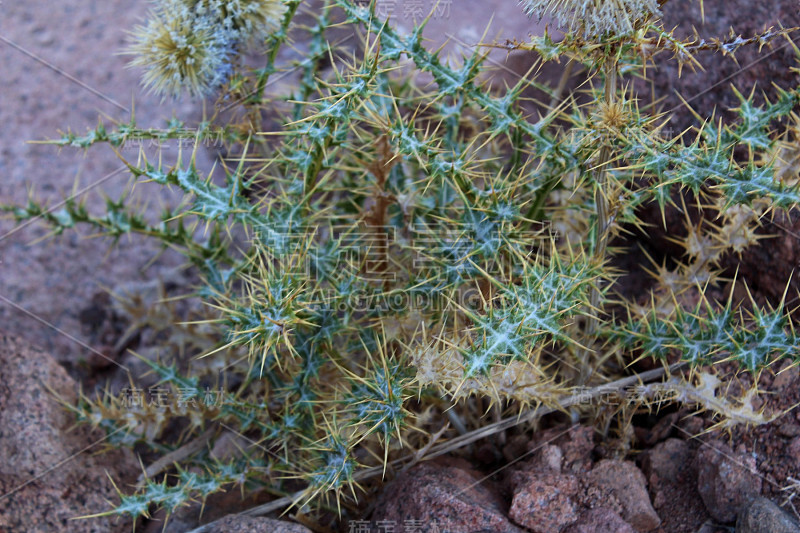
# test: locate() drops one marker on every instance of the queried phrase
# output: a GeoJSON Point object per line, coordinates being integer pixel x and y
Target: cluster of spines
{"type": "Point", "coordinates": [188, 487]}
{"type": "Point", "coordinates": [709, 163]}
{"type": "Point", "coordinates": [705, 335]}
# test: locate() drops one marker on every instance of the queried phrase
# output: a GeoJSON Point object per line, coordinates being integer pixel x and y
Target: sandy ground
{"type": "Point", "coordinates": [62, 70]}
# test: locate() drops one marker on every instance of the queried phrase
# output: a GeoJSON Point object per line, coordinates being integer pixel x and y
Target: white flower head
{"type": "Point", "coordinates": [595, 17]}
{"type": "Point", "coordinates": [180, 51]}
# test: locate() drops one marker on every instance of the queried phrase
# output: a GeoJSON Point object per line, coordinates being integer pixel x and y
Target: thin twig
{"type": "Point", "coordinates": [420, 454]}
{"type": "Point", "coordinates": [176, 456]}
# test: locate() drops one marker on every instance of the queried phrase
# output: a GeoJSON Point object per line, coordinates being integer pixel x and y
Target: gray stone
{"type": "Point", "coordinates": [763, 516]}
{"type": "Point", "coordinates": [624, 481]}
{"type": "Point", "coordinates": [446, 494]}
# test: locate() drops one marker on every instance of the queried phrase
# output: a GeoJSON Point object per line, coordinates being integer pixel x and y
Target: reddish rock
{"type": "Point", "coordinates": [48, 474]}
{"type": "Point", "coordinates": [662, 430]}
{"type": "Point", "coordinates": [690, 427]}
{"type": "Point", "coordinates": [542, 458]}
{"type": "Point", "coordinates": [625, 482]}
{"type": "Point", "coordinates": [786, 378]}
{"type": "Point", "coordinates": [789, 429]}
{"type": "Point", "coordinates": [576, 445]}
{"type": "Point", "coordinates": [450, 496]}
{"type": "Point", "coordinates": [769, 264]}
{"type": "Point", "coordinates": [544, 502]}
{"type": "Point", "coordinates": [577, 448]}
{"type": "Point", "coordinates": [600, 520]}
{"type": "Point", "coordinates": [667, 465]}
{"type": "Point", "coordinates": [726, 480]}
{"type": "Point", "coordinates": [672, 480]}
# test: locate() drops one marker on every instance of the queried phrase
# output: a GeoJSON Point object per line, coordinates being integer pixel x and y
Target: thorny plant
{"type": "Point", "coordinates": [394, 257]}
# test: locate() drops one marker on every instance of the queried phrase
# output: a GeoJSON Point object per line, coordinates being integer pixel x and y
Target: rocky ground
{"type": "Point", "coordinates": [60, 329]}
{"type": "Point", "coordinates": [563, 479]}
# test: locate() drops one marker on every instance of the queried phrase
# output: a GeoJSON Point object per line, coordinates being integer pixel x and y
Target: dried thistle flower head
{"type": "Point", "coordinates": [180, 50]}
{"type": "Point", "coordinates": [243, 19]}
{"type": "Point", "coordinates": [595, 17]}
{"type": "Point", "coordinates": [188, 44]}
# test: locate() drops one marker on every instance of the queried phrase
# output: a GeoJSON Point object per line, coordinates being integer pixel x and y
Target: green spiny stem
{"type": "Point", "coordinates": [319, 48]}
{"type": "Point", "coordinates": [603, 222]}
{"type": "Point", "coordinates": [314, 354]}
{"type": "Point", "coordinates": [601, 172]}
{"type": "Point", "coordinates": [253, 99]}
{"type": "Point", "coordinates": [537, 207]}
{"type": "Point", "coordinates": [278, 38]}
